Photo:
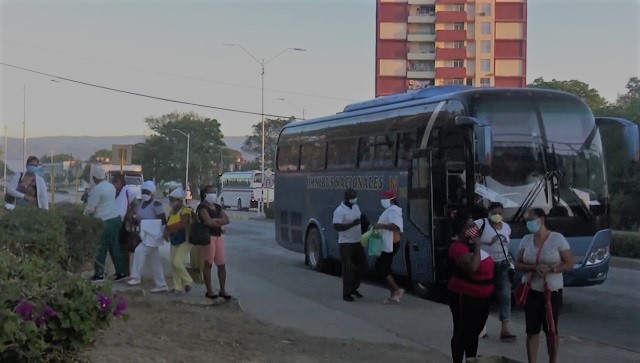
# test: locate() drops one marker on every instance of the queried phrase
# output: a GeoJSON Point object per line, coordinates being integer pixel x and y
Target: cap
{"type": "Point", "coordinates": [150, 186]}
{"type": "Point", "coordinates": [389, 194]}
{"type": "Point", "coordinates": [98, 173]}
{"type": "Point", "coordinates": [177, 193]}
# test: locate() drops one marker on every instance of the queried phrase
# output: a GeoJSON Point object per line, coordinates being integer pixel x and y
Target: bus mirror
{"type": "Point", "coordinates": [631, 135]}
{"type": "Point", "coordinates": [484, 140]}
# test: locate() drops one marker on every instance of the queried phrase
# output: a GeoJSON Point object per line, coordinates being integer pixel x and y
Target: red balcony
{"type": "Point", "coordinates": [510, 12]}
{"type": "Point", "coordinates": [451, 16]}
{"type": "Point", "coordinates": [451, 72]}
{"type": "Point", "coordinates": [438, 2]}
{"type": "Point", "coordinates": [451, 53]}
{"type": "Point", "coordinates": [392, 12]}
{"type": "Point", "coordinates": [451, 35]}
{"type": "Point", "coordinates": [391, 49]}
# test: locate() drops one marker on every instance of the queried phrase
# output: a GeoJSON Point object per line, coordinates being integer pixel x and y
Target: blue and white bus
{"type": "Point", "coordinates": [445, 148]}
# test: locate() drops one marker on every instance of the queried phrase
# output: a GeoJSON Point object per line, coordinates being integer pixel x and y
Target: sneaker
{"type": "Point", "coordinates": [357, 294]}
{"type": "Point", "coordinates": [159, 289]}
{"type": "Point", "coordinates": [348, 298]}
{"type": "Point", "coordinates": [397, 294]}
{"type": "Point", "coordinates": [96, 278]}
{"type": "Point", "coordinates": [391, 301]}
{"type": "Point", "coordinates": [133, 282]}
{"type": "Point", "coordinates": [119, 277]}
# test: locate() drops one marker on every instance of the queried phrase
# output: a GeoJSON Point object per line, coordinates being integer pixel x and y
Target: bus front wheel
{"type": "Point", "coordinates": [313, 250]}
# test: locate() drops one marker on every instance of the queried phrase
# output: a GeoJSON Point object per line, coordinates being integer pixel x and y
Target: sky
{"type": "Point", "coordinates": [174, 49]}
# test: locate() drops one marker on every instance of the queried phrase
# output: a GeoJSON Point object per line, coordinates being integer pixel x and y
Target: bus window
{"type": "Point", "coordinates": [341, 154]}
{"type": "Point", "coordinates": [376, 151]}
{"type": "Point", "coordinates": [288, 157]}
{"type": "Point", "coordinates": [312, 156]}
{"type": "Point", "coordinates": [407, 142]}
{"type": "Point", "coordinates": [419, 195]}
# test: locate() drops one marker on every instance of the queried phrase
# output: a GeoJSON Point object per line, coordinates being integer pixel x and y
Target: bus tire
{"type": "Point", "coordinates": [313, 250]}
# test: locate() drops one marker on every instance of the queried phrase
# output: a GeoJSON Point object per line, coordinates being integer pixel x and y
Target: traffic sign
{"type": "Point", "coordinates": [268, 173]}
{"type": "Point", "coordinates": [268, 183]}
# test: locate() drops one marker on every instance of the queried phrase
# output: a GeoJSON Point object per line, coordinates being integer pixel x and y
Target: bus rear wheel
{"type": "Point", "coordinates": [313, 251]}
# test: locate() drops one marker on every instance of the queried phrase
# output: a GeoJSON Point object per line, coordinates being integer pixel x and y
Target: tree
{"type": "Point", "coordinates": [163, 154]}
{"type": "Point", "coordinates": [578, 88]}
{"type": "Point", "coordinates": [102, 155]}
{"type": "Point", "coordinates": [57, 158]}
{"type": "Point", "coordinates": [253, 143]}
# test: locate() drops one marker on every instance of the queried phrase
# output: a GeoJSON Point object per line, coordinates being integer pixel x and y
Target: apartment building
{"type": "Point", "coordinates": [422, 43]}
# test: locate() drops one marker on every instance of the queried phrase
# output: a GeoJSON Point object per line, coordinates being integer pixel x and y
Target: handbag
{"type": "Point", "coordinates": [198, 234]}
{"type": "Point", "coordinates": [522, 290]}
{"type": "Point", "coordinates": [374, 244]}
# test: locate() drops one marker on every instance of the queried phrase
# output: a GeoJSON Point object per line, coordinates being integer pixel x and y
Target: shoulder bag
{"type": "Point", "coordinates": [198, 233]}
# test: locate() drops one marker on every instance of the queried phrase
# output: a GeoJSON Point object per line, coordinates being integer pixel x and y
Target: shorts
{"type": "Point", "coordinates": [214, 253]}
{"type": "Point", "coordinates": [384, 262]}
{"type": "Point", "coordinates": [535, 312]}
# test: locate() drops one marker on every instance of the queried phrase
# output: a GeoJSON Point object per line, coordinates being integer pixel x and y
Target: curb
{"type": "Point", "coordinates": [625, 263]}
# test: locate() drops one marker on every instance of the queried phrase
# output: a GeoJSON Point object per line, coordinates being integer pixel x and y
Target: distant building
{"type": "Point", "coordinates": [422, 43]}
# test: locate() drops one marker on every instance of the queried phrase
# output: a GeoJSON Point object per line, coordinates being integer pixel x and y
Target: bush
{"type": "Point", "coordinates": [48, 314]}
{"type": "Point", "coordinates": [269, 210]}
{"type": "Point", "coordinates": [81, 232]}
{"type": "Point", "coordinates": [626, 244]}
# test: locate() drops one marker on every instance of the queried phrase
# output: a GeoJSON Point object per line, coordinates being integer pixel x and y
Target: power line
{"type": "Point", "coordinates": [174, 74]}
{"type": "Point", "coordinates": [138, 94]}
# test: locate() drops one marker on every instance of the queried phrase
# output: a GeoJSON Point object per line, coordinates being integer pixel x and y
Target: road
{"type": "Point", "coordinates": [597, 324]}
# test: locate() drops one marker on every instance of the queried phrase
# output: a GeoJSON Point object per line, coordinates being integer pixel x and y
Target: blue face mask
{"type": "Point", "coordinates": [33, 169]}
{"type": "Point", "coordinates": [533, 226]}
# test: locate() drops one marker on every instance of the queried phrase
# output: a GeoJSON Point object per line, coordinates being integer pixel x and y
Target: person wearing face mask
{"type": "Point", "coordinates": [126, 199]}
{"type": "Point", "coordinates": [470, 287]}
{"type": "Point", "coordinates": [212, 214]}
{"type": "Point", "coordinates": [346, 220]}
{"type": "Point", "coordinates": [176, 231]}
{"type": "Point", "coordinates": [152, 220]}
{"type": "Point", "coordinates": [41, 199]}
{"type": "Point", "coordinates": [102, 205]}
{"type": "Point", "coordinates": [494, 239]}
{"type": "Point", "coordinates": [390, 226]}
{"type": "Point", "coordinates": [543, 257]}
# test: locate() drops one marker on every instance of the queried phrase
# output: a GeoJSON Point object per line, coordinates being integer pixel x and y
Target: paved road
{"type": "Point", "coordinates": [598, 323]}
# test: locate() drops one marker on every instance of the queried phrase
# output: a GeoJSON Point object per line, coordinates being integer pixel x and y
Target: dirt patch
{"type": "Point", "coordinates": [172, 331]}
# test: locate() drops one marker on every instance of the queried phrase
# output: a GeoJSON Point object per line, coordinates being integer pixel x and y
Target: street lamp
{"type": "Point", "coordinates": [263, 63]}
{"type": "Point", "coordinates": [294, 105]}
{"type": "Point", "coordinates": [187, 190]}
{"type": "Point", "coordinates": [24, 121]}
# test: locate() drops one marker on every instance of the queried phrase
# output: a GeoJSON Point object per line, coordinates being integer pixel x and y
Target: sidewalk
{"type": "Point", "coordinates": [625, 263]}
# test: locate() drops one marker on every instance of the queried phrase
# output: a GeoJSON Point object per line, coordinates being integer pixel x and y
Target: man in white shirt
{"type": "Point", "coordinates": [390, 226]}
{"type": "Point", "coordinates": [346, 220]}
{"type": "Point", "coordinates": [102, 204]}
{"type": "Point", "coordinates": [41, 199]}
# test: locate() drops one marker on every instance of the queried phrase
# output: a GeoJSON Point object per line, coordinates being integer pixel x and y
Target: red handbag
{"type": "Point", "coordinates": [522, 290]}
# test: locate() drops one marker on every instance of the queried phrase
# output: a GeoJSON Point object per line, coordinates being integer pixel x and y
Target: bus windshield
{"type": "Point", "coordinates": [547, 154]}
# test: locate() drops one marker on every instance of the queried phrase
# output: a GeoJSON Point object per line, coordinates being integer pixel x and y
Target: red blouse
{"type": "Point", "coordinates": [476, 284]}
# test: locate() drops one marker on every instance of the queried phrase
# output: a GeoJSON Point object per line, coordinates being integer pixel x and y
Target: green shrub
{"type": "Point", "coordinates": [48, 314]}
{"type": "Point", "coordinates": [269, 210]}
{"type": "Point", "coordinates": [626, 244]}
{"type": "Point", "coordinates": [30, 231]}
{"type": "Point", "coordinates": [81, 232]}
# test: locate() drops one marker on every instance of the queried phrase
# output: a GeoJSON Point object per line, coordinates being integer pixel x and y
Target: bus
{"type": "Point", "coordinates": [241, 189]}
{"type": "Point", "coordinates": [133, 176]}
{"type": "Point", "coordinates": [446, 148]}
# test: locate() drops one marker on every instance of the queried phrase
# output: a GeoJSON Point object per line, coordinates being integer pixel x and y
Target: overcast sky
{"type": "Point", "coordinates": [173, 49]}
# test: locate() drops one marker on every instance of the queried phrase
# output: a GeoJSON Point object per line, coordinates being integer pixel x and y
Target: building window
{"type": "Point", "coordinates": [458, 63]}
{"type": "Point", "coordinates": [458, 81]}
{"type": "Point", "coordinates": [485, 82]}
{"type": "Point", "coordinates": [458, 26]}
{"type": "Point", "coordinates": [486, 28]}
{"type": "Point", "coordinates": [485, 9]}
{"type": "Point", "coordinates": [486, 46]}
{"type": "Point", "coordinates": [459, 7]}
{"type": "Point", "coordinates": [458, 45]}
{"type": "Point", "coordinates": [342, 154]}
{"type": "Point", "coordinates": [485, 65]}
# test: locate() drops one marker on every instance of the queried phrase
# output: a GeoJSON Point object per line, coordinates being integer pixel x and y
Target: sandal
{"type": "Point", "coordinates": [507, 336]}
{"type": "Point", "coordinates": [226, 296]}
{"type": "Point", "coordinates": [214, 296]}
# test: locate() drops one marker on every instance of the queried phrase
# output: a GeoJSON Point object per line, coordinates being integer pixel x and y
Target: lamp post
{"type": "Point", "coordinates": [24, 121]}
{"type": "Point", "coordinates": [4, 173]}
{"type": "Point", "coordinates": [294, 105]}
{"type": "Point", "coordinates": [263, 63]}
{"type": "Point", "coordinates": [187, 190]}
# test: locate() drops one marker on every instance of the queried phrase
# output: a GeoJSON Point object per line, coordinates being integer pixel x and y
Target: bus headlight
{"type": "Point", "coordinates": [598, 256]}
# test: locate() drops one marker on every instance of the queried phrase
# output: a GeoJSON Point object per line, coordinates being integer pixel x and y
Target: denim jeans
{"type": "Point", "coordinates": [503, 289]}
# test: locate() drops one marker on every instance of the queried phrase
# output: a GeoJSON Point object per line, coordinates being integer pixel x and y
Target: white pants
{"type": "Point", "coordinates": [140, 255]}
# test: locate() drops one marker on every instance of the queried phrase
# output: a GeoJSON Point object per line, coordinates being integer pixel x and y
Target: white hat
{"type": "Point", "coordinates": [132, 194]}
{"type": "Point", "coordinates": [177, 193]}
{"type": "Point", "coordinates": [150, 186]}
{"type": "Point", "coordinates": [97, 172]}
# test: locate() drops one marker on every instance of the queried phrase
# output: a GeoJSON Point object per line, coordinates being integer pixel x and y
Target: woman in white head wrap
{"type": "Point", "coordinates": [150, 213]}
{"type": "Point", "coordinates": [176, 231]}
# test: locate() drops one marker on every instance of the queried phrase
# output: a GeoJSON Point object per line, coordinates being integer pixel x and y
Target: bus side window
{"type": "Point", "coordinates": [312, 156]}
{"type": "Point", "coordinates": [376, 151]}
{"type": "Point", "coordinates": [342, 154]}
{"type": "Point", "coordinates": [288, 157]}
{"type": "Point", "coordinates": [407, 142]}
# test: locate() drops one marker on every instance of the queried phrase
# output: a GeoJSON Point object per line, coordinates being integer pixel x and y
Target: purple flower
{"type": "Point", "coordinates": [104, 302]}
{"type": "Point", "coordinates": [48, 311]}
{"type": "Point", "coordinates": [41, 321]}
{"type": "Point", "coordinates": [121, 306]}
{"type": "Point", "coordinates": [25, 310]}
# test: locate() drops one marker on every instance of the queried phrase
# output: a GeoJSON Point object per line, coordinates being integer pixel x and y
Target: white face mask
{"type": "Point", "coordinates": [211, 197]}
{"type": "Point", "coordinates": [353, 201]}
{"type": "Point", "coordinates": [386, 203]}
{"type": "Point", "coordinates": [146, 197]}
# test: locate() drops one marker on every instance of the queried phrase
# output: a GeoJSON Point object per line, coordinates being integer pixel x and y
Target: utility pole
{"type": "Point", "coordinates": [4, 174]}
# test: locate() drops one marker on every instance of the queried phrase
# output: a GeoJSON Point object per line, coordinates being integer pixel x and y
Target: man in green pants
{"type": "Point", "coordinates": [102, 204]}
